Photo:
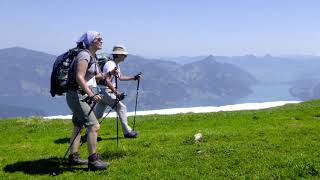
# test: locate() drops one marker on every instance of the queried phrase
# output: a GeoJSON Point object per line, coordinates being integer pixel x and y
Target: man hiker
{"type": "Point", "coordinates": [110, 93]}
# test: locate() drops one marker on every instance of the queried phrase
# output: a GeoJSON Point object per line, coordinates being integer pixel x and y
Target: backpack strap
{"type": "Point", "coordinates": [73, 84]}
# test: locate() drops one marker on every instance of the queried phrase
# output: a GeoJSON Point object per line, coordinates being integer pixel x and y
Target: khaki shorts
{"type": "Point", "coordinates": [80, 110]}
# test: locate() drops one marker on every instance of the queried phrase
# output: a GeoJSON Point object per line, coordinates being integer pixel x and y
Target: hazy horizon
{"type": "Point", "coordinates": [166, 28]}
{"type": "Point", "coordinates": [184, 56]}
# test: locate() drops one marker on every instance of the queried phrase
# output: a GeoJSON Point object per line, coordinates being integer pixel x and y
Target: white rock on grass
{"type": "Point", "coordinates": [198, 137]}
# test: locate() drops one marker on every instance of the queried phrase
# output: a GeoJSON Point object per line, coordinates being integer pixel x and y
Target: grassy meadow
{"type": "Point", "coordinates": [275, 143]}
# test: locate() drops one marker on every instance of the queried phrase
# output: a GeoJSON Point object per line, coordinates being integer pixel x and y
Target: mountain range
{"type": "Point", "coordinates": [25, 75]}
{"type": "Point", "coordinates": [296, 76]}
{"type": "Point", "coordinates": [171, 83]}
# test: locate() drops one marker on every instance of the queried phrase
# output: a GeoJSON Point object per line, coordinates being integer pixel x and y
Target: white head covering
{"type": "Point", "coordinates": [88, 37]}
{"type": "Point", "coordinates": [119, 49]}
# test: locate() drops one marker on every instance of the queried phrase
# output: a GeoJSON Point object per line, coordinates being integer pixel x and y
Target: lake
{"type": "Point", "coordinates": [267, 93]}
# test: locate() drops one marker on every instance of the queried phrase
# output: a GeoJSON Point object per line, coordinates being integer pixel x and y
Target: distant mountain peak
{"type": "Point", "coordinates": [250, 56]}
{"type": "Point", "coordinates": [21, 51]}
{"type": "Point", "coordinates": [16, 48]}
{"type": "Point", "coordinates": [210, 58]}
{"type": "Point", "coordinates": [267, 56]}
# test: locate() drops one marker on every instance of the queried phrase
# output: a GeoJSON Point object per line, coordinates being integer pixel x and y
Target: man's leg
{"type": "Point", "coordinates": [122, 112]}
{"type": "Point", "coordinates": [121, 109]}
{"type": "Point", "coordinates": [99, 109]}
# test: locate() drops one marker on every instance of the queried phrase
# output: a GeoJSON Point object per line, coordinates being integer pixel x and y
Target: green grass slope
{"type": "Point", "coordinates": [282, 142]}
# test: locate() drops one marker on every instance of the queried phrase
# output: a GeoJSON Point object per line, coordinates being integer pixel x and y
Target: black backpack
{"type": "Point", "coordinates": [101, 60]}
{"type": "Point", "coordinates": [60, 76]}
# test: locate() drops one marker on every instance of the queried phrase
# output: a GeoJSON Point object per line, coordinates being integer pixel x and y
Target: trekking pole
{"type": "Point", "coordinates": [94, 104]}
{"type": "Point", "coordinates": [115, 104]}
{"type": "Point", "coordinates": [117, 119]}
{"type": "Point", "coordinates": [135, 108]}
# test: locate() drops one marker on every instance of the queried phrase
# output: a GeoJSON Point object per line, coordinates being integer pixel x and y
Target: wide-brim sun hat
{"type": "Point", "coordinates": [119, 49]}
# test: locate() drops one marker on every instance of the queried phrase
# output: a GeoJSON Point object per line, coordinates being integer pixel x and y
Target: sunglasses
{"type": "Point", "coordinates": [98, 39]}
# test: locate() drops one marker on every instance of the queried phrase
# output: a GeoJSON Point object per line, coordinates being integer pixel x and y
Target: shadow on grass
{"type": "Point", "coordinates": [67, 140]}
{"type": "Point", "coordinates": [52, 166]}
{"type": "Point", "coordinates": [62, 140]}
{"type": "Point", "coordinates": [113, 138]}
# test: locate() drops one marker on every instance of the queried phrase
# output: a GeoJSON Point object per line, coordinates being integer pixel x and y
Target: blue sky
{"type": "Point", "coordinates": [166, 28]}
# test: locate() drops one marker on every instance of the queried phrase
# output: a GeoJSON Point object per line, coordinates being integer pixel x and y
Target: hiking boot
{"type": "Point", "coordinates": [132, 134]}
{"type": "Point", "coordinates": [74, 159]}
{"type": "Point", "coordinates": [95, 163]}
